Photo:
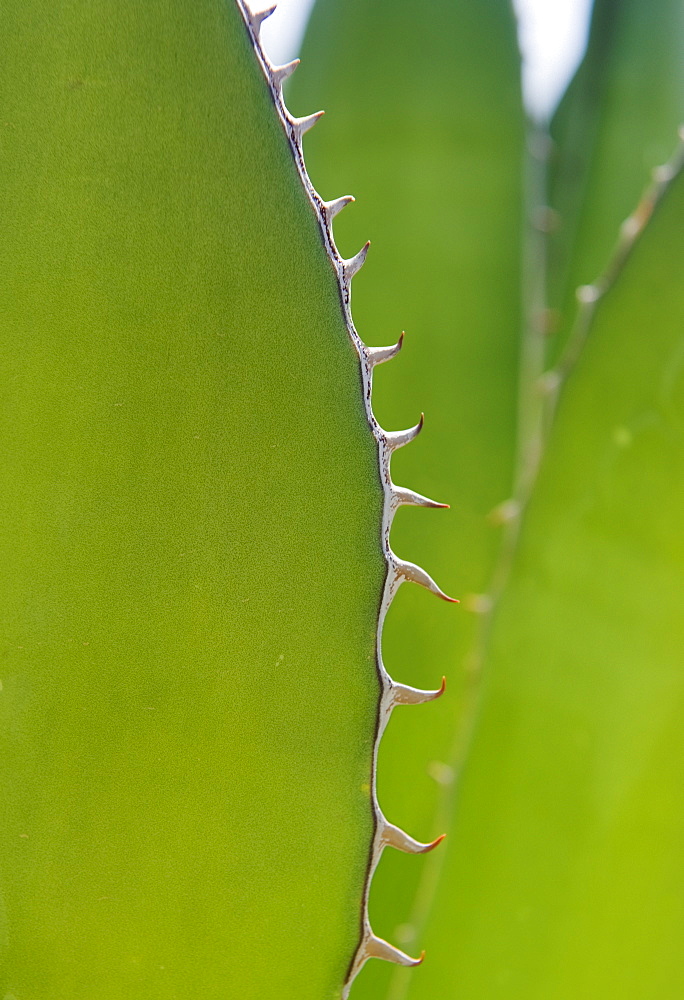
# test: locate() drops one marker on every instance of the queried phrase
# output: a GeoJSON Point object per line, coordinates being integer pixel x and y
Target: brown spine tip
{"type": "Point", "coordinates": [435, 843]}
{"type": "Point", "coordinates": [409, 571]}
{"type": "Point", "coordinates": [393, 836]}
{"type": "Point", "coordinates": [402, 694]}
{"type": "Point", "coordinates": [400, 495]}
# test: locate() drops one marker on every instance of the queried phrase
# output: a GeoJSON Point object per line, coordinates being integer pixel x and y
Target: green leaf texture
{"type": "Point", "coordinates": [617, 121]}
{"type": "Point", "coordinates": [564, 875]}
{"type": "Point", "coordinates": [427, 133]}
{"type": "Point", "coordinates": [561, 876]}
{"type": "Point", "coordinates": [190, 504]}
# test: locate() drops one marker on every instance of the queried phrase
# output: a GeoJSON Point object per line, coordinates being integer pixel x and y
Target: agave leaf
{"type": "Point", "coordinates": [617, 121]}
{"type": "Point", "coordinates": [427, 133]}
{"type": "Point", "coordinates": [191, 562]}
{"type": "Point", "coordinates": [564, 874]}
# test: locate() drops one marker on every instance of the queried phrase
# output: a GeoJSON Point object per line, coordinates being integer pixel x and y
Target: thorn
{"type": "Point", "coordinates": [402, 694]}
{"type": "Point", "coordinates": [392, 836]}
{"type": "Point", "coordinates": [397, 439]}
{"type": "Point", "coordinates": [377, 355]}
{"type": "Point", "coordinates": [333, 207]}
{"type": "Point", "coordinates": [409, 571]}
{"type": "Point", "coordinates": [258, 18]}
{"type": "Point", "coordinates": [400, 496]}
{"type": "Point", "coordinates": [302, 125]}
{"type": "Point", "coordinates": [354, 264]}
{"type": "Point", "coordinates": [280, 74]}
{"type": "Point", "coordinates": [375, 947]}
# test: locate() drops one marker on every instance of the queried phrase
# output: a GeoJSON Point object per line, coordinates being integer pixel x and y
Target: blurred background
{"type": "Point", "coordinates": [552, 39]}
{"type": "Point", "coordinates": [535, 264]}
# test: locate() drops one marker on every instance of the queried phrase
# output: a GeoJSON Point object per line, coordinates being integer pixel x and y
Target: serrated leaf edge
{"type": "Point", "coordinates": [398, 571]}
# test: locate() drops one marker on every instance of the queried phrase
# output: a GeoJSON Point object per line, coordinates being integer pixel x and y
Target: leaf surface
{"type": "Point", "coordinates": [564, 873]}
{"type": "Point", "coordinates": [617, 122]}
{"type": "Point", "coordinates": [428, 135]}
{"type": "Point", "coordinates": [190, 561]}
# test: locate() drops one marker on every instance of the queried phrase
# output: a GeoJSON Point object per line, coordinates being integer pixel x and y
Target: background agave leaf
{"type": "Point", "coordinates": [565, 827]}
{"type": "Point", "coordinates": [564, 873]}
{"type": "Point", "coordinates": [615, 123]}
{"type": "Point", "coordinates": [190, 561]}
{"type": "Point", "coordinates": [428, 134]}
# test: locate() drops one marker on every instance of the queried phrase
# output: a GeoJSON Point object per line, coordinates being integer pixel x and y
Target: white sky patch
{"type": "Point", "coordinates": [283, 32]}
{"type": "Point", "coordinates": [552, 35]}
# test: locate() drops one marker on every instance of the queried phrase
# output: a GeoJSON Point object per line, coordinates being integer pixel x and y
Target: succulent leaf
{"type": "Point", "coordinates": [618, 120]}
{"type": "Point", "coordinates": [563, 876]}
{"type": "Point", "coordinates": [430, 139]}
{"type": "Point", "coordinates": [533, 875]}
{"type": "Point", "coordinates": [196, 510]}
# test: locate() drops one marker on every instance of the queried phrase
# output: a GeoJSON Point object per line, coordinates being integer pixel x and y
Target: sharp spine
{"type": "Point", "coordinates": [415, 574]}
{"type": "Point", "coordinates": [397, 570]}
{"type": "Point", "coordinates": [354, 264]}
{"type": "Point", "coordinates": [301, 125]}
{"type": "Point", "coordinates": [280, 74]}
{"type": "Point", "coordinates": [375, 947]}
{"type": "Point", "coordinates": [403, 694]}
{"type": "Point", "coordinates": [258, 18]}
{"type": "Point", "coordinates": [332, 208]}
{"type": "Point", "coordinates": [401, 495]}
{"type": "Point", "coordinates": [378, 355]}
{"type": "Point", "coordinates": [397, 439]}
{"type": "Point", "coordinates": [392, 836]}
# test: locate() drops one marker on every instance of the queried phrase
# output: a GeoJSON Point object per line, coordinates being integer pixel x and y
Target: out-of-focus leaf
{"type": "Point", "coordinates": [190, 561]}
{"type": "Point", "coordinates": [425, 128]}
{"type": "Point", "coordinates": [617, 121]}
{"type": "Point", "coordinates": [564, 876]}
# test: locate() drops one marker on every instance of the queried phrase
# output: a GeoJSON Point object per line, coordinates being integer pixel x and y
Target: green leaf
{"type": "Point", "coordinates": [190, 557]}
{"type": "Point", "coordinates": [617, 121]}
{"type": "Point", "coordinates": [424, 126]}
{"type": "Point", "coordinates": [564, 874]}
{"type": "Point", "coordinates": [565, 818]}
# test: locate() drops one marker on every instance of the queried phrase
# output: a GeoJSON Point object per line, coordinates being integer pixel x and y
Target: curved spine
{"type": "Point", "coordinates": [392, 694]}
{"type": "Point", "coordinates": [403, 496]}
{"type": "Point", "coordinates": [378, 355]}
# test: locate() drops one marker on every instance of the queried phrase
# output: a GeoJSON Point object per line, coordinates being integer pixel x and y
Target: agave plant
{"type": "Point", "coordinates": [196, 512]}
{"type": "Point", "coordinates": [196, 507]}
{"type": "Point", "coordinates": [544, 339]}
